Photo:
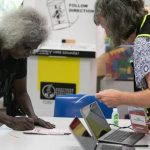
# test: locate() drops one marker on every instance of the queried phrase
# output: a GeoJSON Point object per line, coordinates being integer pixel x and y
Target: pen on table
{"type": "Point", "coordinates": [141, 145]}
{"type": "Point", "coordinates": [67, 133]}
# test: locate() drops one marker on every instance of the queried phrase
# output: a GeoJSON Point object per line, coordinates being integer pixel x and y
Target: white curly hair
{"type": "Point", "coordinates": [22, 26]}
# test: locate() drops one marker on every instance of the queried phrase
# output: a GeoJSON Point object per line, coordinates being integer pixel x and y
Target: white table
{"type": "Point", "coordinates": [17, 140]}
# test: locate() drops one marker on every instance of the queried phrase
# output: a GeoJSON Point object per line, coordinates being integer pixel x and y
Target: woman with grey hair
{"type": "Point", "coordinates": [21, 32]}
{"type": "Point", "coordinates": [127, 22]}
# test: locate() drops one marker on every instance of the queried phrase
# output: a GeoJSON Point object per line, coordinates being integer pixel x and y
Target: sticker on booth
{"type": "Point", "coordinates": [49, 90]}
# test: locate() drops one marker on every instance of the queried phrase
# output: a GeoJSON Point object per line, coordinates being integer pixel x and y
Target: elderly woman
{"type": "Point", "coordinates": [127, 22]}
{"type": "Point", "coordinates": [21, 32]}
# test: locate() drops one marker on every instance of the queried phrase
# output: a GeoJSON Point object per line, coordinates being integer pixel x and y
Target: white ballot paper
{"type": "Point", "coordinates": [44, 131]}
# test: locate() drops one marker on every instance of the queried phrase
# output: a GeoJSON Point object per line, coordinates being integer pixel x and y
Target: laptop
{"type": "Point", "coordinates": [87, 142]}
{"type": "Point", "coordinates": [101, 131]}
{"type": "Point", "coordinates": [82, 135]}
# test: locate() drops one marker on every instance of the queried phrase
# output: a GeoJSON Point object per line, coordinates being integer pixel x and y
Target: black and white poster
{"type": "Point", "coordinates": [49, 90]}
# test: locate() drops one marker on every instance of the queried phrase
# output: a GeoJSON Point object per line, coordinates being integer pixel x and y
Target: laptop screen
{"type": "Point", "coordinates": [95, 120]}
{"type": "Point", "coordinates": [82, 135]}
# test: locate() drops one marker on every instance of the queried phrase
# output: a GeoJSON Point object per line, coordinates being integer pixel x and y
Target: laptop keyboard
{"type": "Point", "coordinates": [111, 147]}
{"type": "Point", "coordinates": [118, 136]}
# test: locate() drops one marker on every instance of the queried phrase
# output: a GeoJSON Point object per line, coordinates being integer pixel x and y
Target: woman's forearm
{"type": "Point", "coordinates": [139, 99]}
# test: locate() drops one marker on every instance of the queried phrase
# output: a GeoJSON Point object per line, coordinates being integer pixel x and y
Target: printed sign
{"type": "Point", "coordinates": [66, 53]}
{"type": "Point", "coordinates": [50, 90]}
{"type": "Point", "coordinates": [69, 21]}
{"type": "Point", "coordinates": [138, 119]}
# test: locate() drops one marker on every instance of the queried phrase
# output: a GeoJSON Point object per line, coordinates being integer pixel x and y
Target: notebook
{"type": "Point", "coordinates": [87, 142]}
{"type": "Point", "coordinates": [100, 129]}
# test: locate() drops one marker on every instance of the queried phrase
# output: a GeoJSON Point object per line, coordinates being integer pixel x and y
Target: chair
{"type": "Point", "coordinates": [70, 105]}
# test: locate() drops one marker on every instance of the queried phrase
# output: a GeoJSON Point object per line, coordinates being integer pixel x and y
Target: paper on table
{"type": "Point", "coordinates": [44, 131]}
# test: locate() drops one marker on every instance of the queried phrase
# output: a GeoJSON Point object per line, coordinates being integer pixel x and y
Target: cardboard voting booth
{"type": "Point", "coordinates": [65, 63]}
